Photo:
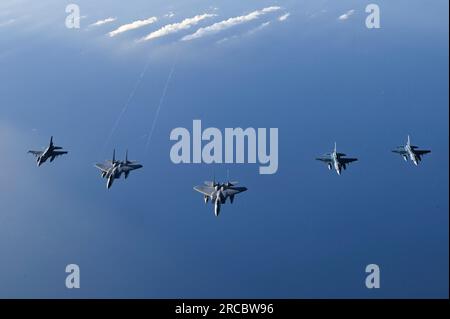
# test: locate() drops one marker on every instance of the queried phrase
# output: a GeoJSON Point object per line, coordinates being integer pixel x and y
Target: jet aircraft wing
{"type": "Point", "coordinates": [58, 153]}
{"type": "Point", "coordinates": [234, 190]}
{"type": "Point", "coordinates": [400, 150]}
{"type": "Point", "coordinates": [36, 153]}
{"type": "Point", "coordinates": [205, 190]}
{"type": "Point", "coordinates": [325, 159]}
{"type": "Point", "coordinates": [126, 168]}
{"type": "Point", "coordinates": [347, 160]}
{"type": "Point", "coordinates": [421, 152]}
{"type": "Point", "coordinates": [103, 167]}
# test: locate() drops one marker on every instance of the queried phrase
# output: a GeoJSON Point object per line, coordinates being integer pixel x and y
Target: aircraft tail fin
{"type": "Point", "coordinates": [114, 156]}
{"type": "Point", "coordinates": [51, 141]}
{"type": "Point", "coordinates": [335, 147]}
{"type": "Point", "coordinates": [126, 156]}
{"type": "Point", "coordinates": [409, 140]}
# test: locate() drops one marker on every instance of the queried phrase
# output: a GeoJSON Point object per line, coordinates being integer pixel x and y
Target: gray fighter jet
{"type": "Point", "coordinates": [218, 193]}
{"type": "Point", "coordinates": [410, 151]}
{"type": "Point", "coordinates": [336, 160]}
{"type": "Point", "coordinates": [51, 152]}
{"type": "Point", "coordinates": [114, 169]}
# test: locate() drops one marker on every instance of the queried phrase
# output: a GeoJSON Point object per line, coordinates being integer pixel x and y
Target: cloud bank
{"type": "Point", "coordinates": [176, 27]}
{"type": "Point", "coordinates": [225, 24]}
{"type": "Point", "coordinates": [132, 26]}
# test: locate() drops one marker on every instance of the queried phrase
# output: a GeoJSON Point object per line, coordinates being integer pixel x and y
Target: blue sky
{"type": "Point", "coordinates": [301, 233]}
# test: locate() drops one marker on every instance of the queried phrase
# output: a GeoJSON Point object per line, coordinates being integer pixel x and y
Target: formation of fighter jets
{"type": "Point", "coordinates": [111, 169]}
{"type": "Point", "coordinates": [216, 192]}
{"type": "Point", "coordinates": [339, 161]}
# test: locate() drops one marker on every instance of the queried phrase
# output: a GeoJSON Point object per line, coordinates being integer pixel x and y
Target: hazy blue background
{"type": "Point", "coordinates": [302, 233]}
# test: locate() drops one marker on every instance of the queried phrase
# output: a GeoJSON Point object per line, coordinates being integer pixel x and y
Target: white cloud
{"type": "Point", "coordinates": [175, 27]}
{"type": "Point", "coordinates": [132, 26]}
{"type": "Point", "coordinates": [346, 15]}
{"type": "Point", "coordinates": [102, 22]}
{"type": "Point", "coordinates": [284, 17]}
{"type": "Point", "coordinates": [169, 15]}
{"type": "Point", "coordinates": [225, 24]}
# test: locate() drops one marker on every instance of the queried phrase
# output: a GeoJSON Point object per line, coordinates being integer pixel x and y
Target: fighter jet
{"type": "Point", "coordinates": [336, 160]}
{"type": "Point", "coordinates": [51, 152]}
{"type": "Point", "coordinates": [410, 151]}
{"type": "Point", "coordinates": [114, 169]}
{"type": "Point", "coordinates": [219, 193]}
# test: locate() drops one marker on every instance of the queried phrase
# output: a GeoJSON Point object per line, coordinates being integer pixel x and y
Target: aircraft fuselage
{"type": "Point", "coordinates": [45, 156]}
{"type": "Point", "coordinates": [412, 155]}
{"type": "Point", "coordinates": [336, 163]}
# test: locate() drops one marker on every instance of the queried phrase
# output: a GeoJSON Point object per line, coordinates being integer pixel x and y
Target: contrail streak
{"type": "Point", "coordinates": [127, 104]}
{"type": "Point", "coordinates": [161, 102]}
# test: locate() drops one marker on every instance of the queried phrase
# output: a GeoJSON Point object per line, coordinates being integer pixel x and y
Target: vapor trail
{"type": "Point", "coordinates": [161, 102]}
{"type": "Point", "coordinates": [127, 104]}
